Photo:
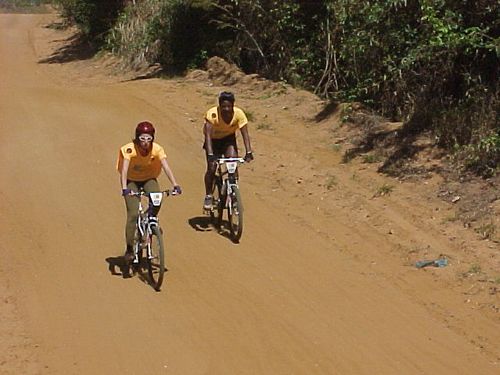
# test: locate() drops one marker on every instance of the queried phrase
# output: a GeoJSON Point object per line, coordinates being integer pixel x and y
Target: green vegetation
{"type": "Point", "coordinates": [474, 269]}
{"type": "Point", "coordinates": [371, 158]}
{"type": "Point", "coordinates": [331, 182]}
{"type": "Point", "coordinates": [346, 113]}
{"type": "Point", "coordinates": [174, 33]}
{"type": "Point", "coordinates": [250, 115]}
{"type": "Point", "coordinates": [385, 189]}
{"type": "Point", "coordinates": [486, 230]}
{"type": "Point", "coordinates": [336, 147]}
{"type": "Point", "coordinates": [264, 126]}
{"type": "Point", "coordinates": [93, 17]}
{"type": "Point", "coordinates": [430, 63]}
{"type": "Point", "coordinates": [450, 219]}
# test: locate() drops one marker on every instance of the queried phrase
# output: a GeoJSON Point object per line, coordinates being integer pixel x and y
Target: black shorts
{"type": "Point", "coordinates": [219, 146]}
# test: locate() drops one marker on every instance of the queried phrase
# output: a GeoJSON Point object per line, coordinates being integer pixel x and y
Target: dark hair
{"type": "Point", "coordinates": [226, 95]}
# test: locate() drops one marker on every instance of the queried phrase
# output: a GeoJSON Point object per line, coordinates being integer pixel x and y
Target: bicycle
{"type": "Point", "coordinates": [226, 196]}
{"type": "Point", "coordinates": [148, 238]}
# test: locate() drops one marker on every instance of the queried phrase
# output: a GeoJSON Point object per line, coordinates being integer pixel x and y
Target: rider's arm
{"type": "Point", "coordinates": [168, 171]}
{"type": "Point", "coordinates": [207, 131]}
{"type": "Point", "coordinates": [246, 139]}
{"type": "Point", "coordinates": [124, 173]}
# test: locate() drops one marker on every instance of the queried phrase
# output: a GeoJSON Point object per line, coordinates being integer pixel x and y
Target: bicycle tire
{"type": "Point", "coordinates": [156, 265]}
{"type": "Point", "coordinates": [217, 212]}
{"type": "Point", "coordinates": [235, 215]}
{"type": "Point", "coordinates": [136, 250]}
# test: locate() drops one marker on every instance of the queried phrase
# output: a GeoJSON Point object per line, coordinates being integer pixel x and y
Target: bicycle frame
{"type": "Point", "coordinates": [231, 179]}
{"type": "Point", "coordinates": [144, 225]}
{"type": "Point", "coordinates": [227, 196]}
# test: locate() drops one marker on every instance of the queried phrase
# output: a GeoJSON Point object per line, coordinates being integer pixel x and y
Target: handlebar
{"type": "Point", "coordinates": [229, 160]}
{"type": "Point", "coordinates": [143, 193]}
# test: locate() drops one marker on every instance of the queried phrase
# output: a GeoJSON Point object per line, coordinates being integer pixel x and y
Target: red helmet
{"type": "Point", "coordinates": [144, 127]}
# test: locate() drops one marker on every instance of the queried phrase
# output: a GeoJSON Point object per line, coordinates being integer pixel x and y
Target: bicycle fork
{"type": "Point", "coordinates": [229, 195]}
{"type": "Point", "coordinates": [144, 240]}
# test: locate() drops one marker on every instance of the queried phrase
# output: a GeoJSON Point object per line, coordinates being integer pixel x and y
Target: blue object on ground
{"type": "Point", "coordinates": [441, 262]}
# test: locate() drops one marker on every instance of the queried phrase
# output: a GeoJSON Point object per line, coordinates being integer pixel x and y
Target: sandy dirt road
{"type": "Point", "coordinates": [283, 301]}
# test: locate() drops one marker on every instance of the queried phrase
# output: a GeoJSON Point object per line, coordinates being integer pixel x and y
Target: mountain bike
{"type": "Point", "coordinates": [226, 196]}
{"type": "Point", "coordinates": [148, 238]}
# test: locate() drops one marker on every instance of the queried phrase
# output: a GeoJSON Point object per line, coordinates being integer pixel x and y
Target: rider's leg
{"type": "Point", "coordinates": [132, 204]}
{"type": "Point", "coordinates": [209, 176]}
{"type": "Point", "coordinates": [209, 183]}
{"type": "Point", "coordinates": [151, 186]}
{"type": "Point", "coordinates": [231, 151]}
{"type": "Point", "coordinates": [225, 146]}
{"type": "Point", "coordinates": [230, 146]}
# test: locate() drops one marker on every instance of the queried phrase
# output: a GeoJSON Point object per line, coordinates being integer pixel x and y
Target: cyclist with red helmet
{"type": "Point", "coordinates": [220, 127]}
{"type": "Point", "coordinates": [140, 163]}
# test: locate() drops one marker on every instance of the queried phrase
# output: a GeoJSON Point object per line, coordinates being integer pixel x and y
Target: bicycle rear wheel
{"type": "Point", "coordinates": [218, 209]}
{"type": "Point", "coordinates": [235, 215]}
{"type": "Point", "coordinates": [156, 263]}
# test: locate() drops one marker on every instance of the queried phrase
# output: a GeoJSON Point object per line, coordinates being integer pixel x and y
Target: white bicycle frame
{"type": "Point", "coordinates": [231, 166]}
{"type": "Point", "coordinates": [143, 223]}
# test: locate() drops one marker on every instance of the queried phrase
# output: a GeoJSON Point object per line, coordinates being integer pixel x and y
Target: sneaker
{"type": "Point", "coordinates": [129, 256]}
{"type": "Point", "coordinates": [208, 202]}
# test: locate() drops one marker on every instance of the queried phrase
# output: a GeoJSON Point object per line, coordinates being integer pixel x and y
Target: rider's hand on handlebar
{"type": "Point", "coordinates": [126, 192]}
{"type": "Point", "coordinates": [211, 158]}
{"type": "Point", "coordinates": [177, 189]}
{"type": "Point", "coordinates": [248, 156]}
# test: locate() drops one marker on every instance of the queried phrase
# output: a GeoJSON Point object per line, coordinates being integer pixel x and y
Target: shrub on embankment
{"type": "Point", "coordinates": [433, 64]}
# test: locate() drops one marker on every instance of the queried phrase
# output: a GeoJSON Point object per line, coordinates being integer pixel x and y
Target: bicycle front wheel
{"type": "Point", "coordinates": [156, 259]}
{"type": "Point", "coordinates": [235, 214]}
{"type": "Point", "coordinates": [134, 266]}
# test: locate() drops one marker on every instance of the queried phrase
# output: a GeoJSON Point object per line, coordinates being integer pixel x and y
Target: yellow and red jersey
{"type": "Point", "coordinates": [141, 168]}
{"type": "Point", "coordinates": [220, 128]}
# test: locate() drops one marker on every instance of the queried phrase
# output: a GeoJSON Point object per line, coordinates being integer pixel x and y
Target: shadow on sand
{"type": "Point", "coordinates": [117, 266]}
{"type": "Point", "coordinates": [204, 224]}
{"type": "Point", "coordinates": [74, 48]}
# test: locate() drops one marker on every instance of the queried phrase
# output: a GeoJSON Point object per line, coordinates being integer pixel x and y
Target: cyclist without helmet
{"type": "Point", "coordinates": [220, 127]}
{"type": "Point", "coordinates": [140, 163]}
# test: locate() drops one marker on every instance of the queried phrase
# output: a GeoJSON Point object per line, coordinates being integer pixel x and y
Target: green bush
{"type": "Point", "coordinates": [93, 17]}
{"type": "Point", "coordinates": [483, 156]}
{"type": "Point", "coordinates": [170, 32]}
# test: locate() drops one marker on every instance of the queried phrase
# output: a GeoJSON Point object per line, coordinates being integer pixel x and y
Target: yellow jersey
{"type": "Point", "coordinates": [141, 168]}
{"type": "Point", "coordinates": [220, 128]}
